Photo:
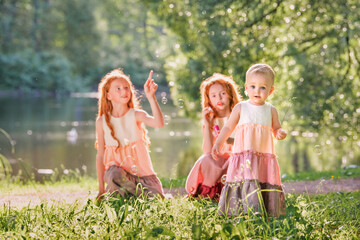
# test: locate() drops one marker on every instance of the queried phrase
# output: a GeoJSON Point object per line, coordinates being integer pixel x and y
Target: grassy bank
{"type": "Point", "coordinates": [329, 216]}
{"type": "Point", "coordinates": [325, 216]}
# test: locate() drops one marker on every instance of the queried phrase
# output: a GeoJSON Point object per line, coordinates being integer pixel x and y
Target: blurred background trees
{"type": "Point", "coordinates": [69, 45]}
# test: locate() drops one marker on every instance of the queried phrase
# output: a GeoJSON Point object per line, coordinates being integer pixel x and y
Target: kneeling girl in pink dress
{"type": "Point", "coordinates": [123, 160]}
{"type": "Point", "coordinates": [253, 181]}
{"type": "Point", "coordinates": [219, 94]}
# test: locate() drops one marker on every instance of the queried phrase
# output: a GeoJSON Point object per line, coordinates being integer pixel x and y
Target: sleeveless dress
{"type": "Point", "coordinates": [204, 179]}
{"type": "Point", "coordinates": [253, 178]}
{"type": "Point", "coordinates": [130, 164]}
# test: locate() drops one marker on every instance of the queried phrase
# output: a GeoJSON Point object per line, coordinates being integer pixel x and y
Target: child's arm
{"type": "Point", "coordinates": [208, 117]}
{"type": "Point", "coordinates": [226, 131]}
{"type": "Point", "coordinates": [100, 168]}
{"type": "Point", "coordinates": [157, 120]}
{"type": "Point", "coordinates": [279, 133]}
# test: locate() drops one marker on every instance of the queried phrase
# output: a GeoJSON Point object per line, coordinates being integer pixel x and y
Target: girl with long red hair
{"type": "Point", "coordinates": [219, 94]}
{"type": "Point", "coordinates": [123, 161]}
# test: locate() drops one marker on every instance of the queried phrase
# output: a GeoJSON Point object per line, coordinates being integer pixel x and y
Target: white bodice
{"type": "Point", "coordinates": [251, 113]}
{"type": "Point", "coordinates": [125, 128]}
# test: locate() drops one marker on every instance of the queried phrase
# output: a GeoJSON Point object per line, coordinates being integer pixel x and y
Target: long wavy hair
{"type": "Point", "coordinates": [227, 82]}
{"type": "Point", "coordinates": [106, 107]}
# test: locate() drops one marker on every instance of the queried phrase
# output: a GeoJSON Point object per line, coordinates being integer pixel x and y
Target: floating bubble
{"type": "Point", "coordinates": [134, 170]}
{"type": "Point", "coordinates": [317, 149]}
{"type": "Point", "coordinates": [164, 100]}
{"type": "Point", "coordinates": [223, 179]}
{"type": "Point", "coordinates": [166, 119]}
{"type": "Point", "coordinates": [181, 103]}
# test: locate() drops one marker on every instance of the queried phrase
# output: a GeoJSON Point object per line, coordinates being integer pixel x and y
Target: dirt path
{"type": "Point", "coordinates": [307, 187]}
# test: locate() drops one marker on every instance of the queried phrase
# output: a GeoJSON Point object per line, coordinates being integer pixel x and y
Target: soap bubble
{"type": "Point", "coordinates": [317, 149]}
{"type": "Point", "coordinates": [181, 103]}
{"type": "Point", "coordinates": [223, 179]}
{"type": "Point", "coordinates": [134, 170]}
{"type": "Point", "coordinates": [164, 100]}
{"type": "Point", "coordinates": [166, 119]}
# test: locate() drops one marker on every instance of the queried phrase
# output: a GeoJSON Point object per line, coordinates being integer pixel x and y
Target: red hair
{"type": "Point", "coordinates": [105, 105]}
{"type": "Point", "coordinates": [227, 82]}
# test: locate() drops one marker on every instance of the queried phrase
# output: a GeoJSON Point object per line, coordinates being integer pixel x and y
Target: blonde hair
{"type": "Point", "coordinates": [227, 82]}
{"type": "Point", "coordinates": [105, 105]}
{"type": "Point", "coordinates": [262, 69]}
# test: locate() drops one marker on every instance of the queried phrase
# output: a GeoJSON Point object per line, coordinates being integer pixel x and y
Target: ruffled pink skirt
{"type": "Point", "coordinates": [253, 184]}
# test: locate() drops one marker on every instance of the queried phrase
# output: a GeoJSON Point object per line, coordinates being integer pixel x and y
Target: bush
{"type": "Point", "coordinates": [44, 71]}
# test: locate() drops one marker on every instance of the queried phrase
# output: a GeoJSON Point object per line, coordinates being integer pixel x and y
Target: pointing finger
{"type": "Point", "coordinates": [150, 74]}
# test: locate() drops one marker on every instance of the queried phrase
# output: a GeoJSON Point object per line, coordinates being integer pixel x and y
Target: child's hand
{"type": "Point", "coordinates": [215, 151]}
{"type": "Point", "coordinates": [208, 115]}
{"type": "Point", "coordinates": [280, 134]}
{"type": "Point", "coordinates": [150, 86]}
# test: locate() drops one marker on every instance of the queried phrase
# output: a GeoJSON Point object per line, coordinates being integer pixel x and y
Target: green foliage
{"type": "Point", "coordinates": [330, 216]}
{"type": "Point", "coordinates": [93, 37]}
{"type": "Point", "coordinates": [80, 38]}
{"type": "Point", "coordinates": [42, 71]}
{"type": "Point", "coordinates": [313, 47]}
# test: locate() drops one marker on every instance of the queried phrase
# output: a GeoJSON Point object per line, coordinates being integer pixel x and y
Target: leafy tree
{"type": "Point", "coordinates": [312, 45]}
{"type": "Point", "coordinates": [132, 38]}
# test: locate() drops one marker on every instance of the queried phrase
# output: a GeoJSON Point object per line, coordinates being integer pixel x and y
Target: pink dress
{"type": "Point", "coordinates": [204, 179]}
{"type": "Point", "coordinates": [130, 164]}
{"type": "Point", "coordinates": [253, 178]}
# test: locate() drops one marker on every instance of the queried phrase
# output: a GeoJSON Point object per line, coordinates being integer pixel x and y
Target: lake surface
{"type": "Point", "coordinates": [59, 133]}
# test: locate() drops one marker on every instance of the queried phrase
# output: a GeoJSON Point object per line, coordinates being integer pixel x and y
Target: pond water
{"type": "Point", "coordinates": [59, 133]}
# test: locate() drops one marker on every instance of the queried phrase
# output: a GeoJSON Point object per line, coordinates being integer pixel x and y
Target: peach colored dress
{"type": "Point", "coordinates": [253, 176]}
{"type": "Point", "coordinates": [204, 179]}
{"type": "Point", "coordinates": [130, 164]}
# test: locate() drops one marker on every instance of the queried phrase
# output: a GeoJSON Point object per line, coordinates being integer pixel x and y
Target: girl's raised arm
{"type": "Point", "coordinates": [100, 168]}
{"type": "Point", "coordinates": [157, 120]}
{"type": "Point", "coordinates": [226, 131]}
{"type": "Point", "coordinates": [279, 133]}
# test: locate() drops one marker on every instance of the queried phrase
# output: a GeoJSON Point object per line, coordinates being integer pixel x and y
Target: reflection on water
{"type": "Point", "coordinates": [52, 132]}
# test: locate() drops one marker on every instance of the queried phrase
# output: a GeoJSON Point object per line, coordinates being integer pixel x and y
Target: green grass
{"type": "Point", "coordinates": [335, 174]}
{"type": "Point", "coordinates": [329, 216]}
